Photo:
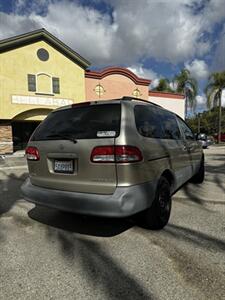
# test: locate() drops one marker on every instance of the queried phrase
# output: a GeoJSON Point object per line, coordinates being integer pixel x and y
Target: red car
{"type": "Point", "coordinates": [222, 137]}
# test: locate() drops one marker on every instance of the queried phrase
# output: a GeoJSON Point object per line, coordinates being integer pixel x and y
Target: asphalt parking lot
{"type": "Point", "coordinates": [47, 254]}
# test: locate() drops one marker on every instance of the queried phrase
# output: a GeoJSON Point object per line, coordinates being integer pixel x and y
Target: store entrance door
{"type": "Point", "coordinates": [21, 133]}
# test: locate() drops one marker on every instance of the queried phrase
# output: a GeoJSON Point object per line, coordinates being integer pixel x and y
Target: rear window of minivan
{"type": "Point", "coordinates": [84, 122]}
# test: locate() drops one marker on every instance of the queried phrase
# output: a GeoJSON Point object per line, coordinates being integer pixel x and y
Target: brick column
{"type": "Point", "coordinates": [6, 138]}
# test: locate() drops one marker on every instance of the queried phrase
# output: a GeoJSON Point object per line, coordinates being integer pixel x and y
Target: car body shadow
{"type": "Point", "coordinates": [10, 190]}
{"type": "Point", "coordinates": [87, 225]}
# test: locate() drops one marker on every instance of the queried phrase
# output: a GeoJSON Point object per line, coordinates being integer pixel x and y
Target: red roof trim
{"type": "Point", "coordinates": [117, 70]}
{"type": "Point", "coordinates": [166, 95]}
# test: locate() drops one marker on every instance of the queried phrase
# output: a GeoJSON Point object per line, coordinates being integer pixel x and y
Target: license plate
{"type": "Point", "coordinates": [64, 166]}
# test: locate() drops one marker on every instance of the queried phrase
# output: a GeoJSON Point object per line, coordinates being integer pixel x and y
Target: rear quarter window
{"type": "Point", "coordinates": [147, 121]}
{"type": "Point", "coordinates": [85, 122]}
{"type": "Point", "coordinates": [153, 122]}
{"type": "Point", "coordinates": [169, 125]}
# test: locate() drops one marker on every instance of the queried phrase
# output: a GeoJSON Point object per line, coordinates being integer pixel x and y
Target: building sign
{"type": "Point", "coordinates": [46, 101]}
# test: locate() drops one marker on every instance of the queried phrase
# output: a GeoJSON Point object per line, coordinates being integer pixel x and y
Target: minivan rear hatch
{"type": "Point", "coordinates": [65, 142]}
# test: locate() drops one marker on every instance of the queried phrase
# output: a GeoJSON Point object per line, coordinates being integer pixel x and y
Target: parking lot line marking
{"type": "Point", "coordinates": [13, 168]}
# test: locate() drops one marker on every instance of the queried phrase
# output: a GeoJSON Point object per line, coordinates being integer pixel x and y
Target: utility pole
{"type": "Point", "coordinates": [199, 123]}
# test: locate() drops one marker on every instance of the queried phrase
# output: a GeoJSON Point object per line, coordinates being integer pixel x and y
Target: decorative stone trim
{"type": "Point", "coordinates": [6, 139]}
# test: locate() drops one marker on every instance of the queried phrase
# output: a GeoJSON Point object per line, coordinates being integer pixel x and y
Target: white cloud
{"type": "Point", "coordinates": [11, 25]}
{"type": "Point", "coordinates": [166, 30]}
{"type": "Point", "coordinates": [200, 105]}
{"type": "Point", "coordinates": [198, 69]}
{"type": "Point", "coordinates": [201, 99]}
{"type": "Point", "coordinates": [218, 63]}
{"type": "Point", "coordinates": [140, 71]}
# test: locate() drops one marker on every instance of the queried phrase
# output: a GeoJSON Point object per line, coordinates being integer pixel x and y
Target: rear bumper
{"type": "Point", "coordinates": [125, 201]}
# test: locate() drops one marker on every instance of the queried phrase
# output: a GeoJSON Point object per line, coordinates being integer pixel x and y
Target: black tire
{"type": "Point", "coordinates": [200, 175]}
{"type": "Point", "coordinates": [157, 216]}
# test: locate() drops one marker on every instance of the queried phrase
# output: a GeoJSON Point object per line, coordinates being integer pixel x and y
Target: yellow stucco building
{"type": "Point", "coordinates": [37, 74]}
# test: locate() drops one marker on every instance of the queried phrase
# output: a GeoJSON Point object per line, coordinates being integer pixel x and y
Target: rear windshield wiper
{"type": "Point", "coordinates": [62, 136]}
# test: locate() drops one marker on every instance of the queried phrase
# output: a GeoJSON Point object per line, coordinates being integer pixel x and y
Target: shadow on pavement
{"type": "Point", "coordinates": [10, 190]}
{"type": "Point", "coordinates": [215, 171]}
{"type": "Point", "coordinates": [193, 194]}
{"type": "Point", "coordinates": [221, 185]}
{"type": "Point", "coordinates": [195, 237]}
{"type": "Point", "coordinates": [102, 271]}
{"type": "Point", "coordinates": [182, 246]}
{"type": "Point", "coordinates": [104, 227]}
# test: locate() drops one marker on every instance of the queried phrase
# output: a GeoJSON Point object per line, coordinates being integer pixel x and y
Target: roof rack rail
{"type": "Point", "coordinates": [129, 98]}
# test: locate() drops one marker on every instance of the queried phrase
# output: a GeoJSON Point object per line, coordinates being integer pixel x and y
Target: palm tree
{"type": "Point", "coordinates": [213, 92]}
{"type": "Point", "coordinates": [163, 86]}
{"type": "Point", "coordinates": [188, 86]}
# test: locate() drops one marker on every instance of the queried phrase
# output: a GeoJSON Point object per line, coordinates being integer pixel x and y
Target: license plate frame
{"type": "Point", "coordinates": [64, 166]}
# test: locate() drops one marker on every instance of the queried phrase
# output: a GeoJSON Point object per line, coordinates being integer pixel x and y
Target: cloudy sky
{"type": "Point", "coordinates": [154, 38]}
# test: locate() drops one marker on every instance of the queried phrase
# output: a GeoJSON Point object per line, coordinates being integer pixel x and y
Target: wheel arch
{"type": "Point", "coordinates": [168, 174]}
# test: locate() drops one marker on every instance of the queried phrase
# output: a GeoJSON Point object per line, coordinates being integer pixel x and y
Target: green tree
{"type": "Point", "coordinates": [208, 121]}
{"type": "Point", "coordinates": [188, 86]}
{"type": "Point", "coordinates": [213, 92]}
{"type": "Point", "coordinates": [163, 86]}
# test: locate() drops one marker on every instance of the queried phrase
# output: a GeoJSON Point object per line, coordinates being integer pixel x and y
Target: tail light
{"type": "Point", "coordinates": [116, 154]}
{"type": "Point", "coordinates": [32, 153]}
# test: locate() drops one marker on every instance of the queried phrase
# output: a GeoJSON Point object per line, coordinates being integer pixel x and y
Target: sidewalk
{"type": "Point", "coordinates": [13, 161]}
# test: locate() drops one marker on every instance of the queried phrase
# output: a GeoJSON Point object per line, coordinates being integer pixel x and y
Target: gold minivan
{"type": "Point", "coordinates": [112, 158]}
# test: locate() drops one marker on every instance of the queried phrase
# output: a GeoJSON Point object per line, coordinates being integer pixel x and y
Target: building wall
{"type": "Point", "coordinates": [115, 86]}
{"type": "Point", "coordinates": [176, 105]}
{"type": "Point", "coordinates": [17, 63]}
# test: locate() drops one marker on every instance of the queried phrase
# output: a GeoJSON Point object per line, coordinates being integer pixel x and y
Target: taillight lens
{"type": "Point", "coordinates": [116, 154]}
{"type": "Point", "coordinates": [125, 154]}
{"type": "Point", "coordinates": [103, 154]}
{"type": "Point", "coordinates": [32, 153]}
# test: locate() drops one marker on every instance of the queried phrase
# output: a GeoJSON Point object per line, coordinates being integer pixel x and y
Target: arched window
{"type": "Point", "coordinates": [44, 83]}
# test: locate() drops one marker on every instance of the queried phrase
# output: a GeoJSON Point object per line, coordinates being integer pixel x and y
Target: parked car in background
{"type": "Point", "coordinates": [210, 140]}
{"type": "Point", "coordinates": [112, 158]}
{"type": "Point", "coordinates": [203, 139]}
{"type": "Point", "coordinates": [222, 137]}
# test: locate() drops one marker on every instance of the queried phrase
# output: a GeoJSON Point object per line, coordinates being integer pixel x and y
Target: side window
{"type": "Point", "coordinates": [147, 121]}
{"type": "Point", "coordinates": [31, 82]}
{"type": "Point", "coordinates": [169, 125]}
{"type": "Point", "coordinates": [55, 85]}
{"type": "Point", "coordinates": [189, 135]}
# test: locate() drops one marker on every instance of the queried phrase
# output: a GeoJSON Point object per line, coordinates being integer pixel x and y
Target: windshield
{"type": "Point", "coordinates": [86, 122]}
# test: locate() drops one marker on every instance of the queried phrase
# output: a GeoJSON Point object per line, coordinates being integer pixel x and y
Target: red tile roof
{"type": "Point", "coordinates": [166, 95]}
{"type": "Point", "coordinates": [117, 70]}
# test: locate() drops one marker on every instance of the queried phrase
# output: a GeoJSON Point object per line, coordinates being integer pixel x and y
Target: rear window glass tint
{"type": "Point", "coordinates": [86, 122]}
